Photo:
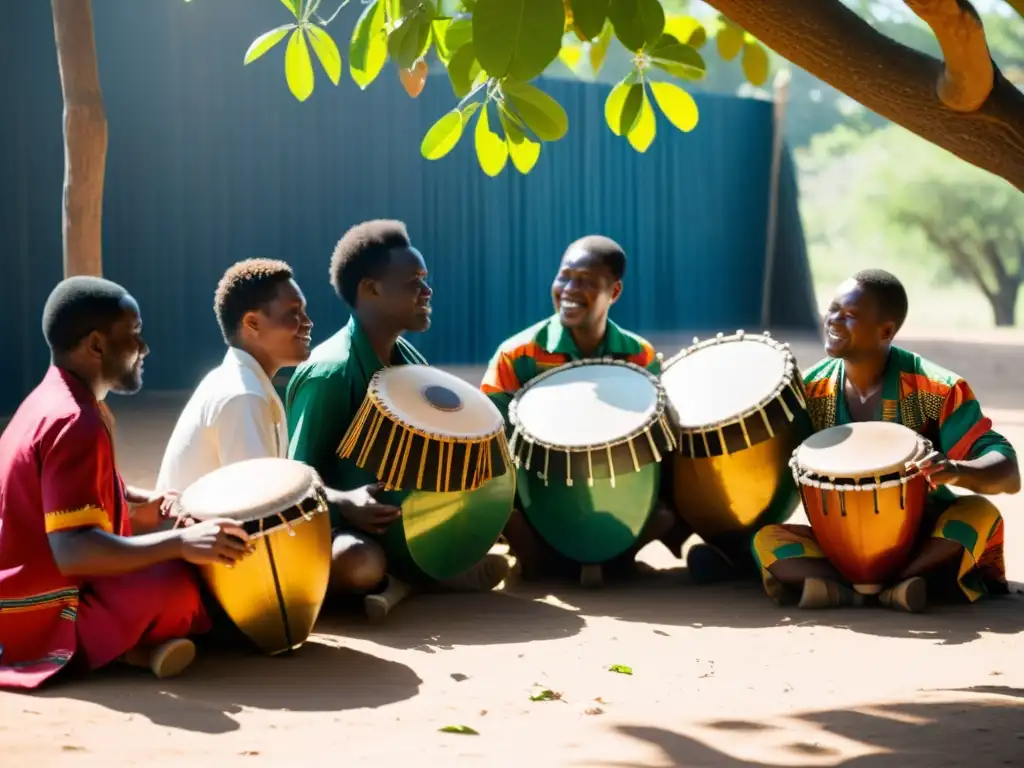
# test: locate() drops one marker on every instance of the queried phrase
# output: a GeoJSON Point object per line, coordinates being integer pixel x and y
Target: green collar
{"type": "Point", "coordinates": [560, 341]}
{"type": "Point", "coordinates": [365, 354]}
{"type": "Point", "coordinates": [888, 405]}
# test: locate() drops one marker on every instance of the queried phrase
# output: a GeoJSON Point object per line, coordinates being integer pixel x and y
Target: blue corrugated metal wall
{"type": "Point", "coordinates": [211, 162]}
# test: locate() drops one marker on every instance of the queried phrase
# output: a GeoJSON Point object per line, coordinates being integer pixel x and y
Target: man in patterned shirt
{"type": "Point", "coordinates": [866, 378]}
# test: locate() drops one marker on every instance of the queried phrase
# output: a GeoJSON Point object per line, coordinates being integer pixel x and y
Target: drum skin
{"type": "Point", "coordinates": [590, 524]}
{"type": "Point", "coordinates": [733, 495]}
{"type": "Point", "coordinates": [441, 535]}
{"type": "Point", "coordinates": [301, 562]}
{"type": "Point", "coordinates": [868, 549]}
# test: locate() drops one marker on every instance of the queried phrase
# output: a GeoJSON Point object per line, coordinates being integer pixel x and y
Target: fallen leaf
{"type": "Point", "coordinates": [546, 695]}
{"type": "Point", "coordinates": [622, 669]}
{"type": "Point", "coordinates": [459, 729]}
{"type": "Point", "coordinates": [593, 711]}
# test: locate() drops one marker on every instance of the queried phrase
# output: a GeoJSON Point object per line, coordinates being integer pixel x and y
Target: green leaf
{"type": "Point", "coordinates": [458, 33]}
{"type": "Point", "coordinates": [615, 103]}
{"type": "Point", "coordinates": [641, 137]}
{"type": "Point", "coordinates": [631, 109]}
{"type": "Point", "coordinates": [729, 40]}
{"type": "Point", "coordinates": [523, 151]}
{"type": "Point", "coordinates": [599, 49]}
{"type": "Point", "coordinates": [463, 69]}
{"type": "Point", "coordinates": [622, 669]}
{"type": "Point", "coordinates": [589, 16]}
{"type": "Point", "coordinates": [755, 63]}
{"type": "Point", "coordinates": [542, 114]}
{"type": "Point", "coordinates": [518, 38]}
{"type": "Point", "coordinates": [265, 42]}
{"type": "Point", "coordinates": [545, 695]}
{"type": "Point", "coordinates": [571, 55]}
{"type": "Point", "coordinates": [442, 136]}
{"type": "Point", "coordinates": [459, 729]}
{"type": "Point", "coordinates": [686, 29]}
{"type": "Point", "coordinates": [678, 59]}
{"type": "Point", "coordinates": [409, 41]}
{"type": "Point", "coordinates": [637, 22]}
{"type": "Point", "coordinates": [368, 49]}
{"type": "Point", "coordinates": [293, 6]}
{"type": "Point", "coordinates": [677, 105]}
{"type": "Point", "coordinates": [491, 149]}
{"type": "Point", "coordinates": [298, 67]}
{"type": "Point", "coordinates": [327, 51]}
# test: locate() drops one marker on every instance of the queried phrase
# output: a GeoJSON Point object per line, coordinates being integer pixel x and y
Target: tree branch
{"type": "Point", "coordinates": [833, 43]}
{"type": "Point", "coordinates": [969, 73]}
{"type": "Point", "coordinates": [954, 252]}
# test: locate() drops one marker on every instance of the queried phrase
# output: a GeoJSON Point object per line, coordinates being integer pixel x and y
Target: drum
{"type": "Point", "coordinates": [588, 438]}
{"type": "Point", "coordinates": [438, 447]}
{"type": "Point", "coordinates": [738, 405]}
{"type": "Point", "coordinates": [275, 594]}
{"type": "Point", "coordinates": [865, 507]}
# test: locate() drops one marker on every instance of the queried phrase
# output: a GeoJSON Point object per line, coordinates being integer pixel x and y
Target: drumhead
{"type": "Point", "coordinates": [437, 402]}
{"type": "Point", "coordinates": [863, 449]}
{"type": "Point", "coordinates": [249, 490]}
{"type": "Point", "coordinates": [585, 405]}
{"type": "Point", "coordinates": [722, 380]}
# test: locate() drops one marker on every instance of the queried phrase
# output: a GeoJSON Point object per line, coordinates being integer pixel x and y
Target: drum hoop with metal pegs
{"type": "Point", "coordinates": [868, 482]}
{"type": "Point", "coordinates": [656, 417]}
{"type": "Point", "coordinates": [791, 379]}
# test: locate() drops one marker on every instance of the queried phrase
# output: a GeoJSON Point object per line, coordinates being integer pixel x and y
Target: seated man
{"type": "Point", "coordinates": [382, 278]}
{"type": "Point", "coordinates": [866, 378]}
{"type": "Point", "coordinates": [235, 413]}
{"type": "Point", "coordinates": [85, 578]}
{"type": "Point", "coordinates": [588, 283]}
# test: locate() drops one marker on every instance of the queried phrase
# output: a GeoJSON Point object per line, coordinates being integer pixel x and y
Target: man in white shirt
{"type": "Point", "coordinates": [235, 414]}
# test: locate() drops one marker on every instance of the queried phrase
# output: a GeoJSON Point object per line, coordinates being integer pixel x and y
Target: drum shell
{"type": "Point", "coordinates": [248, 591]}
{"type": "Point", "coordinates": [866, 546]}
{"type": "Point", "coordinates": [441, 535]}
{"type": "Point", "coordinates": [590, 523]}
{"type": "Point", "coordinates": [730, 496]}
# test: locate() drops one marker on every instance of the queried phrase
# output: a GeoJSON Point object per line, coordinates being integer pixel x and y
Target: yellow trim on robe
{"type": "Point", "coordinates": [65, 520]}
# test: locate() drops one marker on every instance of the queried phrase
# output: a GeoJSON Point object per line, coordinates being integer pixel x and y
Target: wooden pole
{"type": "Point", "coordinates": [780, 89]}
{"type": "Point", "coordinates": [85, 137]}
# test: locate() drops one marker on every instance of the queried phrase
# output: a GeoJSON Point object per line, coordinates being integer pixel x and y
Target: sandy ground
{"type": "Point", "coordinates": [721, 677]}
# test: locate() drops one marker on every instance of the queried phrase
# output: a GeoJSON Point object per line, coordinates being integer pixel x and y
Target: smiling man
{"type": "Point", "coordinates": [588, 283]}
{"type": "Point", "coordinates": [867, 378]}
{"type": "Point", "coordinates": [235, 414]}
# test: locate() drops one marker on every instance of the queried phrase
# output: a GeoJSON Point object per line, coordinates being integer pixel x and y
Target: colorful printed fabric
{"type": "Point", "coordinates": [941, 406]}
{"type": "Point", "coordinates": [323, 397]}
{"type": "Point", "coordinates": [548, 345]}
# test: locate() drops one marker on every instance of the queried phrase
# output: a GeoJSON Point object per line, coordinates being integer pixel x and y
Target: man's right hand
{"type": "Point", "coordinates": [361, 508]}
{"type": "Point", "coordinates": [214, 541]}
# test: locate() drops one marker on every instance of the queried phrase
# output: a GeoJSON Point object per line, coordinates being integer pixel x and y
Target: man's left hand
{"type": "Point", "coordinates": [154, 514]}
{"type": "Point", "coordinates": [937, 469]}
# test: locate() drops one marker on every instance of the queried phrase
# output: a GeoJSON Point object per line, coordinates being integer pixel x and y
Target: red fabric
{"type": "Point", "coordinates": [57, 473]}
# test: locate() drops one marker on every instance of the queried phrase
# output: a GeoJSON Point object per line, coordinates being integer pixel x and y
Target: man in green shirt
{"type": "Point", "coordinates": [588, 283]}
{"type": "Point", "coordinates": [383, 280]}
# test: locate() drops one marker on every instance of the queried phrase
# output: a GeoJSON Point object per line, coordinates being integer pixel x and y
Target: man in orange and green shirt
{"type": "Point", "coordinates": [588, 283]}
{"type": "Point", "coordinates": [866, 378]}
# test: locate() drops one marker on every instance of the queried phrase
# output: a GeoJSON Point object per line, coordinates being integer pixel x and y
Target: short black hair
{"type": "Point", "coordinates": [607, 251]}
{"type": "Point", "coordinates": [247, 286]}
{"type": "Point", "coordinates": [363, 253]}
{"type": "Point", "coordinates": [888, 292]}
{"type": "Point", "coordinates": [78, 306]}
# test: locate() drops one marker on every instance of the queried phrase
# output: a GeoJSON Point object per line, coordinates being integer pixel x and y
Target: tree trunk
{"type": "Point", "coordinates": [1004, 303]}
{"type": "Point", "coordinates": [85, 137]}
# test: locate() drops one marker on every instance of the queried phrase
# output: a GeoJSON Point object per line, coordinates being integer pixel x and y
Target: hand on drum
{"type": "Point", "coordinates": [152, 514]}
{"type": "Point", "coordinates": [214, 541]}
{"type": "Point", "coordinates": [937, 469]}
{"type": "Point", "coordinates": [361, 508]}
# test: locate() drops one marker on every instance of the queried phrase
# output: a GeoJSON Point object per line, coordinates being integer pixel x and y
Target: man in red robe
{"type": "Point", "coordinates": [79, 588]}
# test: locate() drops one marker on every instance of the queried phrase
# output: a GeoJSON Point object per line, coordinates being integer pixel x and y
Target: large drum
{"type": "Point", "coordinates": [438, 447]}
{"type": "Point", "coordinates": [738, 404]}
{"type": "Point", "coordinates": [588, 440]}
{"type": "Point", "coordinates": [865, 507]}
{"type": "Point", "coordinates": [275, 594]}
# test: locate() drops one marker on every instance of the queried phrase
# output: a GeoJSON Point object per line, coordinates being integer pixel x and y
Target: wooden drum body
{"type": "Point", "coordinates": [588, 440]}
{"type": "Point", "coordinates": [865, 507]}
{"type": "Point", "coordinates": [437, 445]}
{"type": "Point", "coordinates": [274, 595]}
{"type": "Point", "coordinates": [737, 403]}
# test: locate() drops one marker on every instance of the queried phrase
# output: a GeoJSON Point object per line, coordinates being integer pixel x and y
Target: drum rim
{"type": "Point", "coordinates": [870, 482]}
{"type": "Point", "coordinates": [268, 510]}
{"type": "Point", "coordinates": [521, 433]}
{"type": "Point", "coordinates": [390, 415]}
{"type": "Point", "coordinates": [791, 379]}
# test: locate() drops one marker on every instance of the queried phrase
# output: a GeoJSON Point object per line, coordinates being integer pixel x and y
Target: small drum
{"type": "Point", "coordinates": [738, 404]}
{"type": "Point", "coordinates": [588, 441]}
{"type": "Point", "coordinates": [438, 446]}
{"type": "Point", "coordinates": [275, 594]}
{"type": "Point", "coordinates": [865, 507]}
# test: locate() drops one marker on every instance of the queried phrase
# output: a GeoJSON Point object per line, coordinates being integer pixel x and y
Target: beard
{"type": "Point", "coordinates": [124, 381]}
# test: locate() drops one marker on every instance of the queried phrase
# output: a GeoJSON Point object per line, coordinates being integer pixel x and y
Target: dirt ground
{"type": "Point", "coordinates": [721, 678]}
